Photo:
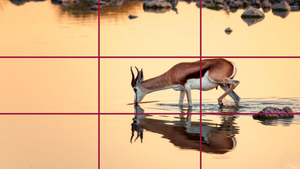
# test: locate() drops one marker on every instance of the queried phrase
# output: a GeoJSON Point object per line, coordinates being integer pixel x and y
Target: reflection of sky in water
{"type": "Point", "coordinates": [45, 28]}
{"type": "Point", "coordinates": [242, 142]}
{"type": "Point", "coordinates": [153, 33]}
{"type": "Point", "coordinates": [275, 35]}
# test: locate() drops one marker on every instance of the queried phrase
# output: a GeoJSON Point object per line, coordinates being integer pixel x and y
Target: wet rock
{"type": "Point", "coordinates": [215, 6]}
{"type": "Point", "coordinates": [219, 1]}
{"type": "Point", "coordinates": [252, 21]}
{"type": "Point", "coordinates": [252, 12]}
{"type": "Point", "coordinates": [282, 14]}
{"type": "Point", "coordinates": [274, 113]}
{"type": "Point", "coordinates": [255, 3]}
{"type": "Point", "coordinates": [294, 8]}
{"type": "Point", "coordinates": [157, 4]}
{"type": "Point", "coordinates": [233, 4]}
{"type": "Point", "coordinates": [266, 4]}
{"type": "Point", "coordinates": [282, 6]}
{"type": "Point", "coordinates": [228, 31]}
{"type": "Point", "coordinates": [132, 16]}
{"type": "Point", "coordinates": [266, 10]}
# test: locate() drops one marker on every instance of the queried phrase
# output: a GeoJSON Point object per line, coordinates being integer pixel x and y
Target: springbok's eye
{"type": "Point", "coordinates": [134, 89]}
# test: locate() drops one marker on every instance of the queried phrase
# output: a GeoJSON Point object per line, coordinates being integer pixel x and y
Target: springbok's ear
{"type": "Point", "coordinates": [142, 75]}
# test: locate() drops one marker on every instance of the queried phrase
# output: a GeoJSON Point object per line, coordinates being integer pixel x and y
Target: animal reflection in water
{"type": "Point", "coordinates": [183, 133]}
{"type": "Point", "coordinates": [219, 138]}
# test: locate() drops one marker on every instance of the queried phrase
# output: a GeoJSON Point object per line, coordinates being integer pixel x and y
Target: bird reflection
{"type": "Point", "coordinates": [182, 131]}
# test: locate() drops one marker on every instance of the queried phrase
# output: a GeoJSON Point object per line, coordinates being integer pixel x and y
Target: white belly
{"type": "Point", "coordinates": [194, 83]}
{"type": "Point", "coordinates": [207, 83]}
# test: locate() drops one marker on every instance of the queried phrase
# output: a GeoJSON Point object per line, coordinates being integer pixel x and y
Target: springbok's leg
{"type": "Point", "coordinates": [232, 94]}
{"type": "Point", "coordinates": [233, 84]}
{"type": "Point", "coordinates": [181, 97]}
{"type": "Point", "coordinates": [188, 94]}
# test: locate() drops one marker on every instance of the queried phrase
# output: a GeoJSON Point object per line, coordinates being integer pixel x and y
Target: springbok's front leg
{"type": "Point", "coordinates": [181, 97]}
{"type": "Point", "coordinates": [187, 88]}
{"type": "Point", "coordinates": [233, 84]}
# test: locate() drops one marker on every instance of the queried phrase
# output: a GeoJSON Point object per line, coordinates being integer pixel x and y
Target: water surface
{"type": "Point", "coordinates": [167, 141]}
{"type": "Point", "coordinates": [153, 33]}
{"type": "Point", "coordinates": [48, 142]}
{"type": "Point", "coordinates": [242, 142]}
{"type": "Point", "coordinates": [48, 28]}
{"type": "Point", "coordinates": [43, 85]}
{"type": "Point", "coordinates": [273, 36]}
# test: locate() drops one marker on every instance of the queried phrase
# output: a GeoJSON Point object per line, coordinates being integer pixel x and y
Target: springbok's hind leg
{"type": "Point", "coordinates": [233, 84]}
{"type": "Point", "coordinates": [181, 97]}
{"type": "Point", "coordinates": [232, 94]}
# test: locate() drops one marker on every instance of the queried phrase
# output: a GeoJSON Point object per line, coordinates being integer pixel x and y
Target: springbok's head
{"type": "Point", "coordinates": [136, 84]}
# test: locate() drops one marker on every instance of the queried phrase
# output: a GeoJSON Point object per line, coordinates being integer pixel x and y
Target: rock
{"type": "Point", "coordinates": [252, 13]}
{"type": "Point", "coordinates": [282, 14]}
{"type": "Point", "coordinates": [266, 10]}
{"type": "Point", "coordinates": [157, 4]}
{"type": "Point", "coordinates": [234, 4]}
{"type": "Point", "coordinates": [204, 4]}
{"type": "Point", "coordinates": [228, 31]}
{"type": "Point", "coordinates": [282, 6]}
{"type": "Point", "coordinates": [132, 16]}
{"type": "Point", "coordinates": [266, 4]}
{"type": "Point", "coordinates": [294, 8]}
{"type": "Point", "coordinates": [198, 4]}
{"type": "Point", "coordinates": [219, 1]}
{"type": "Point", "coordinates": [255, 3]}
{"type": "Point", "coordinates": [215, 6]}
{"type": "Point", "coordinates": [274, 113]}
{"type": "Point", "coordinates": [252, 21]}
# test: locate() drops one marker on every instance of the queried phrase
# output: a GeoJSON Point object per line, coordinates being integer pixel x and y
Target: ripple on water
{"type": "Point", "coordinates": [250, 105]}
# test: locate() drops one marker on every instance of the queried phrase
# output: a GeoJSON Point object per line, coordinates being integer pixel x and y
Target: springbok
{"type": "Point", "coordinates": [220, 72]}
{"type": "Point", "coordinates": [183, 77]}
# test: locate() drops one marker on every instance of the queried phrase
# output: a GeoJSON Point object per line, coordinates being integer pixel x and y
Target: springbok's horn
{"type": "Point", "coordinates": [132, 80]}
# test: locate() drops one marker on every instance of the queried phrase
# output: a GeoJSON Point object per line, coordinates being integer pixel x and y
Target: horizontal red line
{"type": "Point", "coordinates": [141, 57]}
{"type": "Point", "coordinates": [49, 113]}
{"type": "Point", "coordinates": [39, 57]}
{"type": "Point", "coordinates": [253, 57]}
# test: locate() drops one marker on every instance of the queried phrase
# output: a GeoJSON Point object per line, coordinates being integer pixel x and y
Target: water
{"type": "Point", "coordinates": [48, 28]}
{"type": "Point", "coordinates": [48, 85]}
{"type": "Point", "coordinates": [153, 33]}
{"type": "Point", "coordinates": [272, 36]}
{"type": "Point", "coordinates": [242, 142]}
{"type": "Point", "coordinates": [251, 105]}
{"type": "Point", "coordinates": [49, 142]}
{"type": "Point", "coordinates": [169, 141]}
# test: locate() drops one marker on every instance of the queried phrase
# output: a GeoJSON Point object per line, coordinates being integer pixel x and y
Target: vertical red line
{"type": "Point", "coordinates": [98, 84]}
{"type": "Point", "coordinates": [200, 84]}
{"type": "Point", "coordinates": [98, 28]}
